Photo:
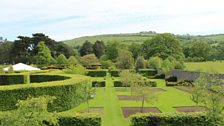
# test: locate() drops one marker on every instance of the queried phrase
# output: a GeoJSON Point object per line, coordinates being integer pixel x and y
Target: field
{"type": "Point", "coordinates": [211, 67]}
{"type": "Point", "coordinates": [106, 102]}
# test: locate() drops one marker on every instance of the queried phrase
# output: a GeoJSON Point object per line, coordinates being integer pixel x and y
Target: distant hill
{"type": "Point", "coordinates": [128, 38]}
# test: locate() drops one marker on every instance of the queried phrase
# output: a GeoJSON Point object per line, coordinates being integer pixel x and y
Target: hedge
{"type": "Point", "coordinates": [147, 72]}
{"type": "Point", "coordinates": [170, 119]}
{"type": "Point", "coordinates": [79, 120]}
{"type": "Point", "coordinates": [146, 83]}
{"type": "Point", "coordinates": [114, 73]}
{"type": "Point", "coordinates": [68, 93]}
{"type": "Point", "coordinates": [98, 83]}
{"type": "Point", "coordinates": [97, 73]}
{"type": "Point", "coordinates": [25, 78]}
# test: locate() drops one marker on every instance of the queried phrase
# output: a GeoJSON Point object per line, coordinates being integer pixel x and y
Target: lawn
{"type": "Point", "coordinates": [108, 99]}
{"type": "Point", "coordinates": [217, 67]}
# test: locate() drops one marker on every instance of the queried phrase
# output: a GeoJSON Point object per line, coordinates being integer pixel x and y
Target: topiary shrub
{"type": "Point", "coordinates": [11, 79]}
{"type": "Point", "coordinates": [119, 84]}
{"type": "Point", "coordinates": [46, 78]}
{"type": "Point", "coordinates": [97, 73]}
{"type": "Point", "coordinates": [98, 83]}
{"type": "Point", "coordinates": [67, 119]}
{"type": "Point", "coordinates": [170, 119]}
{"type": "Point", "coordinates": [114, 73]}
{"type": "Point", "coordinates": [171, 79]}
{"type": "Point", "coordinates": [147, 72]}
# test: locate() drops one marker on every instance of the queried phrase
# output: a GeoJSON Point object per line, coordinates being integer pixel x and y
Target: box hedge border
{"type": "Point", "coordinates": [69, 93]}
{"type": "Point", "coordinates": [170, 119]}
{"type": "Point", "coordinates": [97, 73]}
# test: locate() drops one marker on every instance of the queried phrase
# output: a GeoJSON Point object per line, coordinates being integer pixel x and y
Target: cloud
{"type": "Point", "coordinates": [73, 18]}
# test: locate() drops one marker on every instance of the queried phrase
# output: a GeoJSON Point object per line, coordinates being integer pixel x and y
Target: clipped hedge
{"type": "Point", "coordinates": [79, 120]}
{"type": "Point", "coordinates": [69, 93]}
{"type": "Point", "coordinates": [98, 83]}
{"type": "Point", "coordinates": [119, 84]}
{"type": "Point", "coordinates": [114, 73]}
{"type": "Point", "coordinates": [97, 73]}
{"type": "Point", "coordinates": [11, 79]}
{"type": "Point", "coordinates": [46, 78]}
{"type": "Point", "coordinates": [170, 119]}
{"type": "Point", "coordinates": [147, 72]}
{"type": "Point", "coordinates": [146, 83]}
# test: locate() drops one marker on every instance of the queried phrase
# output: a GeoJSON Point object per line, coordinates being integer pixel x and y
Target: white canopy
{"type": "Point", "coordinates": [21, 66]}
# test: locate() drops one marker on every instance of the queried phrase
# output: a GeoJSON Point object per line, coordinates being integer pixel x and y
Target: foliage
{"type": "Point", "coordinates": [147, 72]}
{"type": "Point", "coordinates": [106, 64]}
{"type": "Point", "coordinates": [125, 60]}
{"type": "Point", "coordinates": [170, 119]}
{"type": "Point", "coordinates": [140, 63]}
{"type": "Point", "coordinates": [30, 112]}
{"type": "Point", "coordinates": [163, 46]}
{"type": "Point", "coordinates": [5, 52]}
{"type": "Point", "coordinates": [97, 73]}
{"type": "Point", "coordinates": [87, 48]}
{"type": "Point", "coordinates": [136, 50]}
{"type": "Point", "coordinates": [72, 60]}
{"type": "Point", "coordinates": [126, 77]}
{"type": "Point", "coordinates": [43, 55]}
{"type": "Point", "coordinates": [209, 92]}
{"type": "Point", "coordinates": [62, 59]}
{"type": "Point", "coordinates": [68, 93]}
{"type": "Point", "coordinates": [71, 119]}
{"type": "Point", "coordinates": [112, 48]}
{"type": "Point", "coordinates": [154, 63]}
{"type": "Point", "coordinates": [98, 83]}
{"type": "Point", "coordinates": [89, 59]}
{"type": "Point", "coordinates": [77, 69]}
{"type": "Point", "coordinates": [99, 48]}
{"type": "Point", "coordinates": [114, 73]}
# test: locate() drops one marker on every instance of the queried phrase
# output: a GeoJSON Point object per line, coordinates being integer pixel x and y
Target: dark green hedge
{"type": "Point", "coordinates": [99, 83]}
{"type": "Point", "coordinates": [170, 119]}
{"type": "Point", "coordinates": [171, 79]}
{"type": "Point", "coordinates": [11, 79]}
{"type": "Point", "coordinates": [114, 73]}
{"type": "Point", "coordinates": [146, 83]}
{"type": "Point", "coordinates": [46, 78]}
{"type": "Point", "coordinates": [69, 93]}
{"type": "Point", "coordinates": [97, 73]}
{"type": "Point", "coordinates": [147, 72]}
{"type": "Point", "coordinates": [81, 120]}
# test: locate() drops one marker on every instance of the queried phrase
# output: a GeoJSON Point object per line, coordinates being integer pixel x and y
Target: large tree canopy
{"type": "Point", "coordinates": [87, 48]}
{"type": "Point", "coordinates": [164, 46]}
{"type": "Point", "coordinates": [99, 48]}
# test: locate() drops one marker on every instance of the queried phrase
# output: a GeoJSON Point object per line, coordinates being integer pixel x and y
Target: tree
{"type": "Point", "coordinates": [72, 60]}
{"type": "Point", "coordinates": [62, 59]}
{"type": "Point", "coordinates": [44, 54]}
{"type": "Point", "coordinates": [77, 69]}
{"type": "Point", "coordinates": [166, 66]}
{"type": "Point", "coordinates": [5, 52]}
{"type": "Point", "coordinates": [112, 50]}
{"type": "Point", "coordinates": [140, 63]}
{"type": "Point", "coordinates": [89, 59]}
{"type": "Point", "coordinates": [88, 92]}
{"type": "Point", "coordinates": [154, 62]}
{"type": "Point", "coordinates": [208, 91]}
{"type": "Point", "coordinates": [30, 112]}
{"type": "Point", "coordinates": [136, 50]}
{"type": "Point", "coordinates": [87, 48]}
{"type": "Point", "coordinates": [125, 59]}
{"type": "Point", "coordinates": [163, 46]}
{"type": "Point", "coordinates": [99, 48]}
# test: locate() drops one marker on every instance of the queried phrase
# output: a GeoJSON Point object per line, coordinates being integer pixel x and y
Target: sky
{"type": "Point", "coordinates": [67, 19]}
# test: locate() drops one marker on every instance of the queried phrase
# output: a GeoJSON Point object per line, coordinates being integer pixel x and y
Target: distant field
{"type": "Point", "coordinates": [217, 66]}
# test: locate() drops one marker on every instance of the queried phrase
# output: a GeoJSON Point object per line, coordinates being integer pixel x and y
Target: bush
{"type": "Point", "coordinates": [146, 83]}
{"type": "Point", "coordinates": [170, 119]}
{"type": "Point", "coordinates": [68, 93]}
{"type": "Point", "coordinates": [118, 84]}
{"type": "Point", "coordinates": [11, 79]}
{"type": "Point", "coordinates": [114, 73]}
{"type": "Point", "coordinates": [147, 72]}
{"type": "Point", "coordinates": [151, 83]}
{"type": "Point", "coordinates": [171, 79]}
{"type": "Point", "coordinates": [79, 120]}
{"type": "Point", "coordinates": [75, 69]}
{"type": "Point", "coordinates": [97, 73]}
{"type": "Point", "coordinates": [98, 83]}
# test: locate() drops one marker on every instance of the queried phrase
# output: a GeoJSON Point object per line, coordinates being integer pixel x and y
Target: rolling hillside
{"type": "Point", "coordinates": [139, 38]}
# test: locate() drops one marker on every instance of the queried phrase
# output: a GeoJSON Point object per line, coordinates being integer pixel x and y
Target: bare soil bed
{"type": "Point", "coordinates": [153, 90]}
{"type": "Point", "coordinates": [184, 88]}
{"type": "Point", "coordinates": [128, 97]}
{"type": "Point", "coordinates": [98, 110]}
{"type": "Point", "coordinates": [127, 111]}
{"type": "Point", "coordinates": [188, 109]}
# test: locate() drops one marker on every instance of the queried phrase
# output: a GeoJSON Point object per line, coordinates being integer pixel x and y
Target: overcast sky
{"type": "Point", "coordinates": [67, 19]}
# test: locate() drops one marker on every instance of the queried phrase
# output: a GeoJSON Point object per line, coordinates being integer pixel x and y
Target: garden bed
{"type": "Point", "coordinates": [127, 111]}
{"type": "Point", "coordinates": [152, 90]}
{"type": "Point", "coordinates": [98, 110]}
{"type": "Point", "coordinates": [188, 109]}
{"type": "Point", "coordinates": [129, 97]}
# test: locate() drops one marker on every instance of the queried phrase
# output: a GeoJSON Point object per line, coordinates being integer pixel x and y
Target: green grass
{"type": "Point", "coordinates": [210, 67]}
{"type": "Point", "coordinates": [113, 116]}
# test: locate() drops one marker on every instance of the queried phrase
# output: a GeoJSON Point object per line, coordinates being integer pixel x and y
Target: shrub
{"type": "Point", "coordinates": [98, 83]}
{"type": "Point", "coordinates": [171, 79]}
{"type": "Point", "coordinates": [114, 73]}
{"type": "Point", "coordinates": [146, 83]}
{"type": "Point", "coordinates": [11, 79]}
{"type": "Point", "coordinates": [77, 69]}
{"type": "Point", "coordinates": [97, 73]}
{"type": "Point", "coordinates": [147, 72]}
{"type": "Point", "coordinates": [170, 119]}
{"type": "Point", "coordinates": [68, 119]}
{"type": "Point", "coordinates": [68, 93]}
{"type": "Point", "coordinates": [151, 83]}
{"type": "Point", "coordinates": [118, 84]}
